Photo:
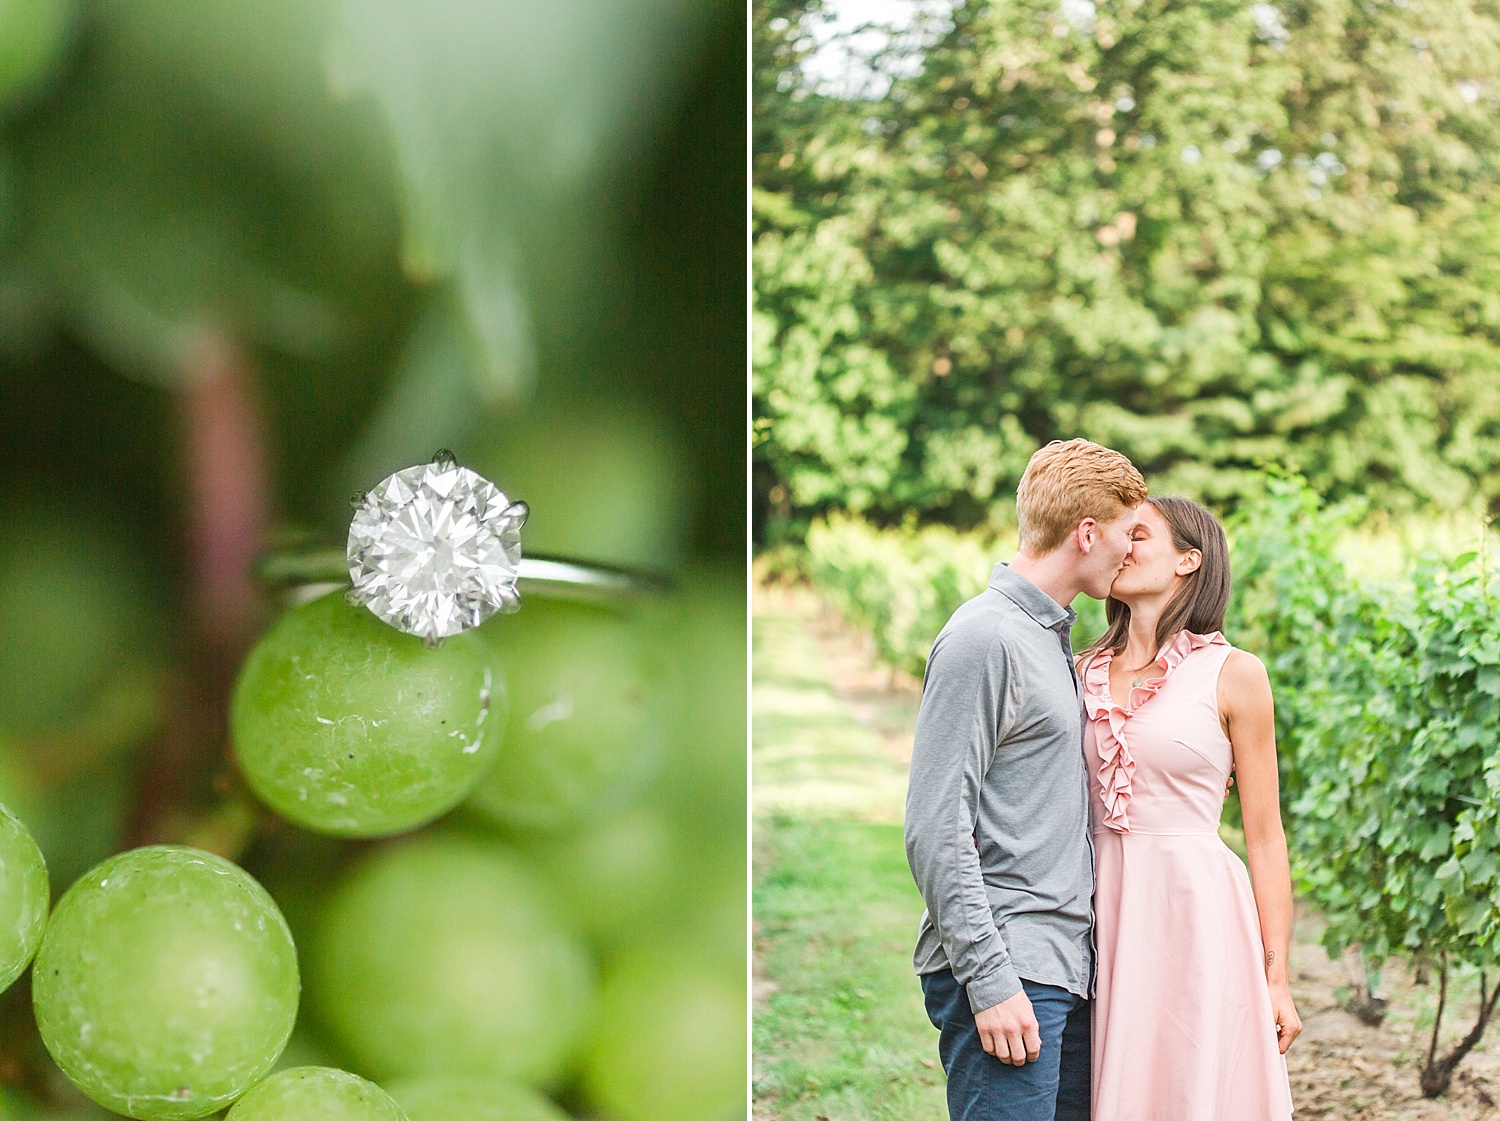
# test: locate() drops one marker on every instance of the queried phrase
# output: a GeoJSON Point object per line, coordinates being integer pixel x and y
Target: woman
{"type": "Point", "coordinates": [1193, 1012]}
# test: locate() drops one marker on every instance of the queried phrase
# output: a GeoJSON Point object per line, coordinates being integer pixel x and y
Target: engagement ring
{"type": "Point", "coordinates": [436, 549]}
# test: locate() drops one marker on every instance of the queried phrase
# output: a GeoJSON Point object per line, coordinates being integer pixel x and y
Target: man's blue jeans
{"type": "Point", "coordinates": [982, 1088]}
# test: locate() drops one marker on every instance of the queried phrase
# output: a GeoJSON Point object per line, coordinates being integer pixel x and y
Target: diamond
{"type": "Point", "coordinates": [435, 549]}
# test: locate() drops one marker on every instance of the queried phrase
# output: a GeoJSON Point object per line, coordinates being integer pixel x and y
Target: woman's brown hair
{"type": "Point", "coordinates": [1200, 602]}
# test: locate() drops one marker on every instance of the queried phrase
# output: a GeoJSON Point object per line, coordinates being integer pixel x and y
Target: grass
{"type": "Point", "coordinates": [812, 755]}
{"type": "Point", "coordinates": [839, 1030]}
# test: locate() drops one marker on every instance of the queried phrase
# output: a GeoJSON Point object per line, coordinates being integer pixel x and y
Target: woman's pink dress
{"type": "Point", "coordinates": [1183, 1028]}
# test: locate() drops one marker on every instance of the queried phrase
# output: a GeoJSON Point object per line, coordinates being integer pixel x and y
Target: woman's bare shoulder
{"type": "Point", "coordinates": [1244, 668]}
{"type": "Point", "coordinates": [1244, 684]}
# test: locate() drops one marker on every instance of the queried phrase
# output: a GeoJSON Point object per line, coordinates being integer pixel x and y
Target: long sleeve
{"type": "Point", "coordinates": [965, 711]}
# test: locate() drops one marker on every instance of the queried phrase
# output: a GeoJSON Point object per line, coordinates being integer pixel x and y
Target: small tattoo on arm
{"type": "Point", "coordinates": [1270, 958]}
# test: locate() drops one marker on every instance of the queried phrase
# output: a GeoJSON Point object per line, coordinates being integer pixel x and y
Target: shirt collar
{"type": "Point", "coordinates": [1029, 598]}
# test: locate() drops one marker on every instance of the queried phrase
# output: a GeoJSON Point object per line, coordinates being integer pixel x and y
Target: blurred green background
{"type": "Point", "coordinates": [255, 256]}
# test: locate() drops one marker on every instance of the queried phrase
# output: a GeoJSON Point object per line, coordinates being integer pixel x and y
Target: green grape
{"type": "Point", "coordinates": [24, 896]}
{"type": "Point", "coordinates": [469, 1098]}
{"type": "Point", "coordinates": [316, 1094]}
{"type": "Point", "coordinates": [578, 727]}
{"type": "Point", "coordinates": [77, 649]}
{"type": "Point", "coordinates": [33, 37]}
{"type": "Point", "coordinates": [440, 956]}
{"type": "Point", "coordinates": [77, 819]}
{"type": "Point", "coordinates": [296, 867]}
{"type": "Point", "coordinates": [701, 634]}
{"type": "Point", "coordinates": [620, 500]}
{"type": "Point", "coordinates": [618, 882]}
{"type": "Point", "coordinates": [18, 787]}
{"type": "Point", "coordinates": [347, 726]}
{"type": "Point", "coordinates": [715, 911]}
{"type": "Point", "coordinates": [166, 984]}
{"type": "Point", "coordinates": [671, 1045]}
{"type": "Point", "coordinates": [81, 820]}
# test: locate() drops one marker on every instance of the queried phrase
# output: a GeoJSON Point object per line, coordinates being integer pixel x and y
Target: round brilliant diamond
{"type": "Point", "coordinates": [436, 549]}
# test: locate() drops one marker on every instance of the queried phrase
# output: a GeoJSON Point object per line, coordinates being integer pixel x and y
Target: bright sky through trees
{"type": "Point", "coordinates": [854, 31]}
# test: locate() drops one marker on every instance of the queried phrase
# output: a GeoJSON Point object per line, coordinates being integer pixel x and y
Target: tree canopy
{"type": "Point", "coordinates": [1216, 236]}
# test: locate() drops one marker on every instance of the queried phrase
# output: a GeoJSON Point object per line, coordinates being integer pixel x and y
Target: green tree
{"type": "Point", "coordinates": [1215, 236]}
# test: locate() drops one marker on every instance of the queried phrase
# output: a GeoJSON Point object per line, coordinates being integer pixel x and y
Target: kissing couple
{"type": "Point", "coordinates": [1090, 947]}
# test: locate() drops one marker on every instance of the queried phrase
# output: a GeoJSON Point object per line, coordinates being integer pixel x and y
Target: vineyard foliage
{"type": "Point", "coordinates": [1389, 719]}
{"type": "Point", "coordinates": [1387, 693]}
{"type": "Point", "coordinates": [899, 586]}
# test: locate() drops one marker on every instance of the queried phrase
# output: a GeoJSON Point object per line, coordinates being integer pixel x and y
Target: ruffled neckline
{"type": "Point", "coordinates": [1116, 763]}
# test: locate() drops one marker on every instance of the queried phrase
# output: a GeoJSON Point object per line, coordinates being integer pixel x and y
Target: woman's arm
{"type": "Point", "coordinates": [1245, 700]}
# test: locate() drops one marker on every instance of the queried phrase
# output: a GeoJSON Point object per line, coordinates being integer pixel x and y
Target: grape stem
{"type": "Point", "coordinates": [228, 508]}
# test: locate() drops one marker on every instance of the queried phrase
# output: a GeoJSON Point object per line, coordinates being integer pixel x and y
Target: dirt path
{"type": "Point", "coordinates": [852, 763]}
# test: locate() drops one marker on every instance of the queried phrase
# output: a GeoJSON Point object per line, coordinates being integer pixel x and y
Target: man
{"type": "Point", "coordinates": [997, 811]}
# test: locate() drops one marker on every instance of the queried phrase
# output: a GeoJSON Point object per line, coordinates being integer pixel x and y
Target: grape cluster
{"type": "Point", "coordinates": [486, 893]}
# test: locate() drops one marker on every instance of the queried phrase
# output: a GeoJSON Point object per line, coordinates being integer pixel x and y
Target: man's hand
{"type": "Point", "coordinates": [1008, 1030]}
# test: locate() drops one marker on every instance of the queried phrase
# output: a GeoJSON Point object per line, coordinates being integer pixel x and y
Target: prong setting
{"type": "Point", "coordinates": [510, 602]}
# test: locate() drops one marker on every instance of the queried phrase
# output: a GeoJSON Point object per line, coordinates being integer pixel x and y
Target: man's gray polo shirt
{"type": "Point", "coordinates": [997, 812]}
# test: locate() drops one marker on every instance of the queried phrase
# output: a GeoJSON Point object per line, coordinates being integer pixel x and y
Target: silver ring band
{"type": "Point", "coordinates": [543, 576]}
{"type": "Point", "coordinates": [563, 579]}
